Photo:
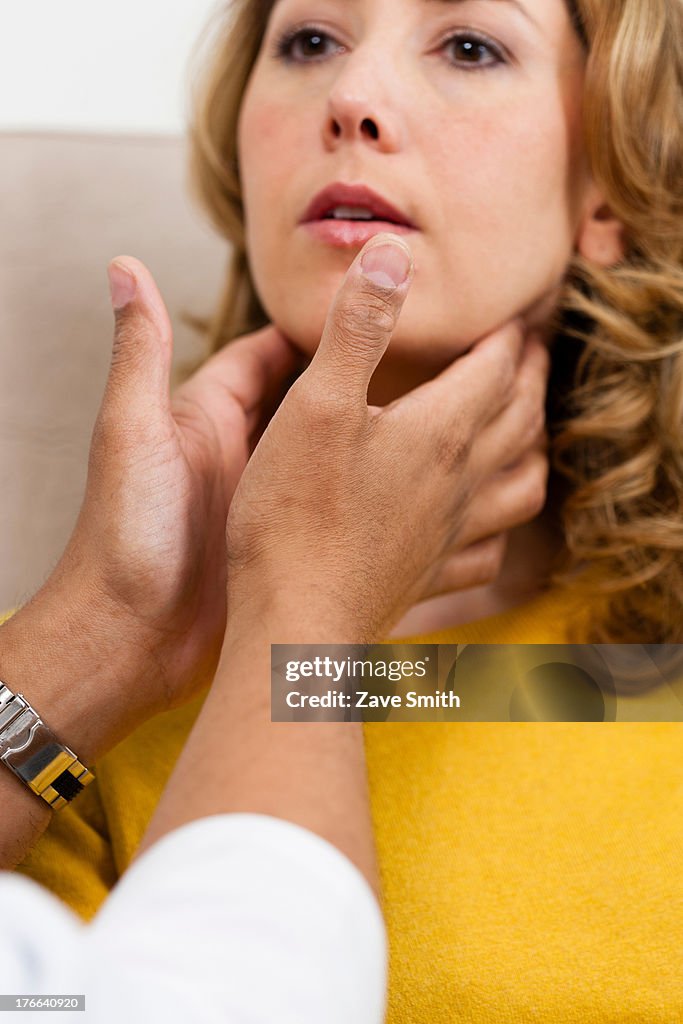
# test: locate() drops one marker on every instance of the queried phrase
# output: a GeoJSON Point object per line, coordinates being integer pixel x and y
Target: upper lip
{"type": "Point", "coordinates": [341, 194]}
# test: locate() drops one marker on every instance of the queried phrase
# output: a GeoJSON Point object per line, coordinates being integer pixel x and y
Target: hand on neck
{"type": "Point", "coordinates": [531, 551]}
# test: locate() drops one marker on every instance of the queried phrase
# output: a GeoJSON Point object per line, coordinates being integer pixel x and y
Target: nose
{"type": "Point", "coordinates": [359, 108]}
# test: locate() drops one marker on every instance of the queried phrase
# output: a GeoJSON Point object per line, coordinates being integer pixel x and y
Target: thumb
{"type": "Point", "coordinates": [363, 315]}
{"type": "Point", "coordinates": [139, 374]}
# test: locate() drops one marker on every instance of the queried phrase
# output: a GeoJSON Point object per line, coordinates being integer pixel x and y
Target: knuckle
{"type": "Point", "coordinates": [540, 389]}
{"type": "Point", "coordinates": [348, 334]}
{"type": "Point", "coordinates": [319, 407]}
{"type": "Point", "coordinates": [452, 449]}
{"type": "Point", "coordinates": [535, 369]}
{"type": "Point", "coordinates": [493, 556]}
{"type": "Point", "coordinates": [535, 423]}
{"type": "Point", "coordinates": [507, 375]}
{"type": "Point", "coordinates": [536, 490]}
{"type": "Point", "coordinates": [362, 319]}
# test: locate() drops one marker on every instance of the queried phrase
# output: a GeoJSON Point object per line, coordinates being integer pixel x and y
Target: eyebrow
{"type": "Point", "coordinates": [514, 3]}
{"type": "Point", "coordinates": [453, 3]}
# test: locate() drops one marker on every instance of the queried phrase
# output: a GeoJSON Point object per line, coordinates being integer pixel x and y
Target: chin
{"type": "Point", "coordinates": [415, 341]}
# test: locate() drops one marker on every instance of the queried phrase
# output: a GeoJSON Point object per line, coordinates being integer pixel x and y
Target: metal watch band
{"type": "Point", "coordinates": [32, 751]}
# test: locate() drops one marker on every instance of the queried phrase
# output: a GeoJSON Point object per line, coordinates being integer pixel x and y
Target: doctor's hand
{"type": "Point", "coordinates": [360, 511]}
{"type": "Point", "coordinates": [148, 548]}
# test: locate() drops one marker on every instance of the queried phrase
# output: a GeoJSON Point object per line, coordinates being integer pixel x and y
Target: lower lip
{"type": "Point", "coordinates": [347, 233]}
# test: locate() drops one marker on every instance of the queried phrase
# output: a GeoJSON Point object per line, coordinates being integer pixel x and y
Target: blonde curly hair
{"type": "Point", "coordinates": [615, 397]}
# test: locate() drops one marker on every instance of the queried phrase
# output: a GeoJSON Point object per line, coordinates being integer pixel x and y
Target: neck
{"type": "Point", "coordinates": [531, 551]}
{"type": "Point", "coordinates": [532, 548]}
{"type": "Point", "coordinates": [396, 377]}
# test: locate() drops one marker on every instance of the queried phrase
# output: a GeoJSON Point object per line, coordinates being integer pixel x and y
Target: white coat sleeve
{"type": "Point", "coordinates": [234, 918]}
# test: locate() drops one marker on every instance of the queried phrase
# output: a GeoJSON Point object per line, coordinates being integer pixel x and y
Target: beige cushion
{"type": "Point", "coordinates": [68, 204]}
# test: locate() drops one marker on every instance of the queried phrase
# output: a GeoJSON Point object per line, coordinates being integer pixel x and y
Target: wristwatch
{"type": "Point", "coordinates": [32, 751]}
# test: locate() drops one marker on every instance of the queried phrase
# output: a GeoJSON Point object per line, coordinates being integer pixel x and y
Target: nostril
{"type": "Point", "coordinates": [371, 127]}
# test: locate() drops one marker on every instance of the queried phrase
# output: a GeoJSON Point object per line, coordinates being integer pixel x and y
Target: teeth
{"type": "Point", "coordinates": [351, 213]}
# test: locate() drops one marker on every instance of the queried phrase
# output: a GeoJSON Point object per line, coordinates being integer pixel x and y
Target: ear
{"type": "Point", "coordinates": [600, 235]}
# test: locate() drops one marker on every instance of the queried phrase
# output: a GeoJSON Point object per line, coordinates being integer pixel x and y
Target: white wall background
{"type": "Point", "coordinates": [97, 65]}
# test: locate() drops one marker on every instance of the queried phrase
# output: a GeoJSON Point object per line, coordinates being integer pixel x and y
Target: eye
{"type": "Point", "coordinates": [312, 40]}
{"type": "Point", "coordinates": [470, 48]}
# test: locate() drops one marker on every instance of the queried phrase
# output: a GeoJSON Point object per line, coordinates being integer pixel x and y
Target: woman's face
{"type": "Point", "coordinates": [464, 114]}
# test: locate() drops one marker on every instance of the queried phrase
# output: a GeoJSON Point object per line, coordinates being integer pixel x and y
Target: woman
{"type": "Point", "coordinates": [514, 213]}
{"type": "Point", "coordinates": [538, 158]}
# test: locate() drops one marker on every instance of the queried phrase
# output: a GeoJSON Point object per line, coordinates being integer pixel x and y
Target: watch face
{"type": "Point", "coordinates": [30, 749]}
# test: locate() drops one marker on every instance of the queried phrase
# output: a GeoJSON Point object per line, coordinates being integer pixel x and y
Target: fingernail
{"type": "Point", "coordinates": [122, 285]}
{"type": "Point", "coordinates": [387, 264]}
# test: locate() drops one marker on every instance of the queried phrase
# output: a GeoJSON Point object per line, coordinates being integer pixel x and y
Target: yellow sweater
{"type": "Point", "coordinates": [530, 870]}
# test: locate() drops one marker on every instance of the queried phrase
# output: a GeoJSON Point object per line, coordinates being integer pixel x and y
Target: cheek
{"type": "Point", "coordinates": [266, 128]}
{"type": "Point", "coordinates": [254, 141]}
{"type": "Point", "coordinates": [266, 182]}
{"type": "Point", "coordinates": [504, 187]}
{"type": "Point", "coordinates": [504, 168]}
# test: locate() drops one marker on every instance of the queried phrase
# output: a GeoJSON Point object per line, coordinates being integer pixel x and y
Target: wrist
{"type": "Point", "coordinates": [287, 614]}
{"type": "Point", "coordinates": [80, 663]}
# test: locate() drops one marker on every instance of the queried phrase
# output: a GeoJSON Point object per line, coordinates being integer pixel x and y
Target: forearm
{"type": "Point", "coordinates": [73, 658]}
{"type": "Point", "coordinates": [237, 760]}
